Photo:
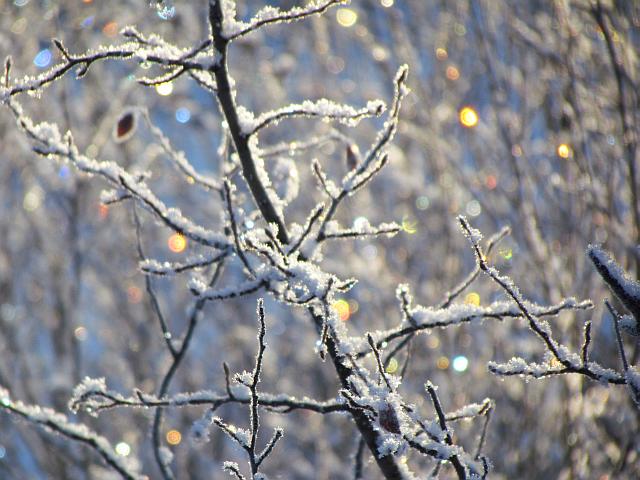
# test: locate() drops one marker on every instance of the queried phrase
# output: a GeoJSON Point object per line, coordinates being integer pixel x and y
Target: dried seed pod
{"type": "Point", "coordinates": [389, 419]}
{"type": "Point", "coordinates": [353, 156]}
{"type": "Point", "coordinates": [125, 127]}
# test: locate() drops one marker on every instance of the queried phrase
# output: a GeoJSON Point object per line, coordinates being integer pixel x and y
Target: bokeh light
{"type": "Point", "coordinates": [164, 89]}
{"type": "Point", "coordinates": [354, 306]}
{"type": "Point", "coordinates": [346, 17]}
{"type": "Point", "coordinates": [177, 243]}
{"type": "Point", "coordinates": [422, 202]}
{"type": "Point", "coordinates": [183, 115]}
{"type": "Point", "coordinates": [123, 449]}
{"type": "Point", "coordinates": [452, 73]}
{"type": "Point", "coordinates": [472, 298]}
{"type": "Point", "coordinates": [174, 437]}
{"type": "Point", "coordinates": [33, 199]}
{"type": "Point", "coordinates": [43, 58]}
{"type": "Point", "coordinates": [80, 333]}
{"type": "Point", "coordinates": [460, 363]}
{"type": "Point", "coordinates": [110, 29]}
{"type": "Point", "coordinates": [506, 253]}
{"type": "Point", "coordinates": [392, 367]}
{"type": "Point", "coordinates": [134, 294]}
{"type": "Point", "coordinates": [409, 226]}
{"type": "Point", "coordinates": [442, 363]}
{"type": "Point", "coordinates": [342, 308]}
{"type": "Point", "coordinates": [564, 151]}
{"type": "Point", "coordinates": [468, 117]}
{"type": "Point", "coordinates": [473, 208]}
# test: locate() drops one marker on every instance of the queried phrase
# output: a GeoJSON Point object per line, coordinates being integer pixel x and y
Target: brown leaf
{"type": "Point", "coordinates": [389, 419]}
{"type": "Point", "coordinates": [353, 156]}
{"type": "Point", "coordinates": [125, 127]}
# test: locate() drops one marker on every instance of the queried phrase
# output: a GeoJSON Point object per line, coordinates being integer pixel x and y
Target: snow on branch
{"type": "Point", "coordinates": [247, 438]}
{"type": "Point", "coordinates": [323, 108]}
{"type": "Point", "coordinates": [365, 229]}
{"type": "Point", "coordinates": [621, 284]}
{"type": "Point", "coordinates": [362, 173]}
{"type": "Point", "coordinates": [155, 267]}
{"type": "Point", "coordinates": [179, 158]}
{"type": "Point", "coordinates": [59, 423]}
{"type": "Point", "coordinates": [202, 291]}
{"type": "Point", "coordinates": [373, 161]}
{"type": "Point", "coordinates": [421, 318]}
{"type": "Point", "coordinates": [92, 396]}
{"type": "Point", "coordinates": [83, 61]}
{"type": "Point", "coordinates": [149, 50]}
{"type": "Point", "coordinates": [233, 28]}
{"type": "Point", "coordinates": [561, 359]}
{"type": "Point", "coordinates": [471, 410]}
{"type": "Point", "coordinates": [50, 143]}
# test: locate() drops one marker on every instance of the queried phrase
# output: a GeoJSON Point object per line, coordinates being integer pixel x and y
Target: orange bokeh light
{"type": "Point", "coordinates": [453, 73]}
{"type": "Point", "coordinates": [110, 29]}
{"type": "Point", "coordinates": [103, 211]}
{"type": "Point", "coordinates": [468, 117]}
{"type": "Point", "coordinates": [564, 151]}
{"type": "Point", "coordinates": [343, 309]}
{"type": "Point", "coordinates": [177, 243]}
{"type": "Point", "coordinates": [174, 437]}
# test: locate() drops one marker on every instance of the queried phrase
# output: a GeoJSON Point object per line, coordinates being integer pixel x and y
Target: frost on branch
{"type": "Point", "coordinates": [58, 423]}
{"type": "Point", "coordinates": [323, 108]}
{"type": "Point", "coordinates": [625, 288]}
{"type": "Point", "coordinates": [260, 250]}
{"type": "Point", "coordinates": [561, 359]}
{"type": "Point", "coordinates": [87, 388]}
{"type": "Point", "coordinates": [632, 376]}
{"type": "Point", "coordinates": [234, 28]}
{"type": "Point", "coordinates": [50, 143]}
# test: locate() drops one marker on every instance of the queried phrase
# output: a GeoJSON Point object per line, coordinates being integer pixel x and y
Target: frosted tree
{"type": "Point", "coordinates": [211, 127]}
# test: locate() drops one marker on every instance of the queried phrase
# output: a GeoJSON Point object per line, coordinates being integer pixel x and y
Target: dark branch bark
{"type": "Point", "coordinates": [240, 140]}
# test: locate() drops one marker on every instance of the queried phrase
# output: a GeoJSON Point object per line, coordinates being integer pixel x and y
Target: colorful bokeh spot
{"type": "Point", "coordinates": [453, 73]}
{"type": "Point", "coordinates": [468, 117]}
{"type": "Point", "coordinates": [506, 253]}
{"type": "Point", "coordinates": [409, 226]}
{"type": "Point", "coordinates": [123, 449]}
{"type": "Point", "coordinates": [472, 298]}
{"type": "Point", "coordinates": [460, 363]}
{"type": "Point", "coordinates": [177, 243]}
{"type": "Point", "coordinates": [392, 367]}
{"type": "Point", "coordinates": [110, 29]}
{"type": "Point", "coordinates": [43, 58]}
{"type": "Point", "coordinates": [134, 294]}
{"type": "Point", "coordinates": [103, 211]}
{"type": "Point", "coordinates": [564, 151]}
{"type": "Point", "coordinates": [342, 308]}
{"type": "Point", "coordinates": [80, 333]}
{"type": "Point", "coordinates": [441, 53]}
{"type": "Point", "coordinates": [346, 17]}
{"type": "Point", "coordinates": [442, 363]}
{"type": "Point", "coordinates": [164, 89]}
{"type": "Point", "coordinates": [174, 437]}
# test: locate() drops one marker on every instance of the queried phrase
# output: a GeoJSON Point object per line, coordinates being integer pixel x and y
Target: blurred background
{"type": "Point", "coordinates": [521, 113]}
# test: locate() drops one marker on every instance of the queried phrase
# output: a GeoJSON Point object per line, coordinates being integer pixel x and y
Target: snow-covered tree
{"type": "Point", "coordinates": [166, 167]}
